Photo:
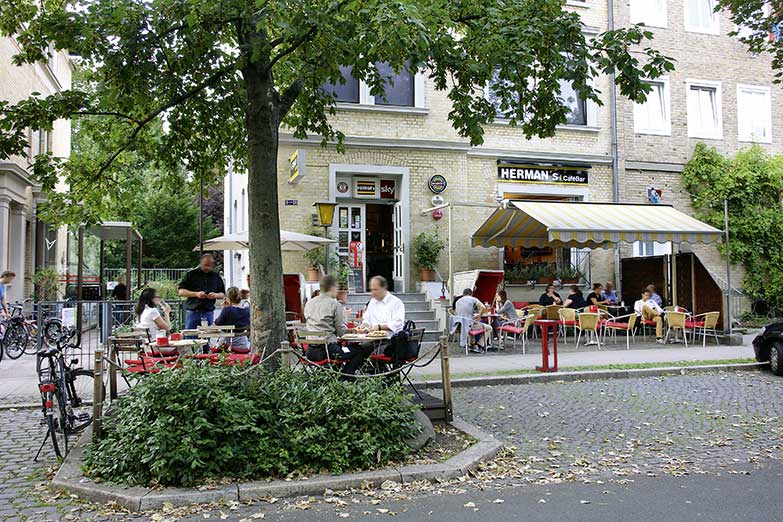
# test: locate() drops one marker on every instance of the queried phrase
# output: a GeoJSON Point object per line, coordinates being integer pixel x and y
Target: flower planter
{"type": "Point", "coordinates": [427, 275]}
{"type": "Point", "coordinates": [570, 281]}
{"type": "Point", "coordinates": [313, 275]}
{"type": "Point", "coordinates": [342, 296]}
{"type": "Point", "coordinates": [545, 280]}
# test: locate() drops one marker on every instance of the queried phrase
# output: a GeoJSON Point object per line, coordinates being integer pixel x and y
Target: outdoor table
{"type": "Point", "coordinates": [177, 345]}
{"type": "Point", "coordinates": [357, 338]}
{"type": "Point", "coordinates": [545, 325]}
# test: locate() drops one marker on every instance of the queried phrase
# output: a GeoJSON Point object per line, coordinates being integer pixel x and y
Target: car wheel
{"type": "Point", "coordinates": [776, 358]}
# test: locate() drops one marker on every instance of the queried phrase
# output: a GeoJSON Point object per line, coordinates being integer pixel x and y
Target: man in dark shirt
{"type": "Point", "coordinates": [202, 287]}
{"type": "Point", "coordinates": [595, 297]}
{"type": "Point", "coordinates": [120, 291]}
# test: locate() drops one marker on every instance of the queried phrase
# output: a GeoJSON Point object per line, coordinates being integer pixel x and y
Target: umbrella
{"type": "Point", "coordinates": [289, 241]}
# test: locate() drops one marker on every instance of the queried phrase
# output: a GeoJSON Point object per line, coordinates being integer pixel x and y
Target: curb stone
{"type": "Point", "coordinates": [69, 478]}
{"type": "Point", "coordinates": [591, 375]}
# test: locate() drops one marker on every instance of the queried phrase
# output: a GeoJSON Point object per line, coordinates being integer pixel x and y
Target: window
{"type": "Point", "coordinates": [651, 248]}
{"type": "Point", "coordinates": [347, 92]}
{"type": "Point", "coordinates": [654, 115]}
{"type": "Point", "coordinates": [577, 106]}
{"type": "Point", "coordinates": [700, 17]}
{"type": "Point", "coordinates": [399, 88]}
{"type": "Point", "coordinates": [649, 12]}
{"type": "Point", "coordinates": [754, 114]}
{"type": "Point", "coordinates": [494, 98]}
{"type": "Point", "coordinates": [704, 110]}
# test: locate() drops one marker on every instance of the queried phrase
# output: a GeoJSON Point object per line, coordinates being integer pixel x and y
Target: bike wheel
{"type": "Point", "coordinates": [81, 384]}
{"type": "Point", "coordinates": [15, 341]}
{"type": "Point", "coordinates": [52, 332]}
{"type": "Point", "coordinates": [32, 339]}
{"type": "Point", "coordinates": [54, 403]}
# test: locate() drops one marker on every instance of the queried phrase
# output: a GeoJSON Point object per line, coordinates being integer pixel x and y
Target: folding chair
{"type": "Point", "coordinates": [305, 340]}
{"type": "Point", "coordinates": [255, 354]}
{"type": "Point", "coordinates": [386, 363]}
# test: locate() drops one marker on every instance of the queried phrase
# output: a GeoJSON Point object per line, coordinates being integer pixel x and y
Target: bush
{"type": "Point", "coordinates": [427, 249]}
{"type": "Point", "coordinates": [180, 428]}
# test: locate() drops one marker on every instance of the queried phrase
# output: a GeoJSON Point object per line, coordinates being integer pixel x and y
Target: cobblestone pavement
{"type": "Point", "coordinates": [608, 432]}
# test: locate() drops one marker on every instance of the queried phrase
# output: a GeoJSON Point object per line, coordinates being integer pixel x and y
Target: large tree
{"type": "Point", "coordinates": [759, 24]}
{"type": "Point", "coordinates": [226, 74]}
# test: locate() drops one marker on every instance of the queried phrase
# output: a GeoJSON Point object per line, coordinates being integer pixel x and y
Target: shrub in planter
{"type": "Point", "coordinates": [185, 426]}
{"type": "Point", "coordinates": [426, 250]}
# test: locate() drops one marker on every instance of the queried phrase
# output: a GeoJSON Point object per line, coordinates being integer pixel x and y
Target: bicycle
{"type": "Point", "coordinates": [16, 334]}
{"type": "Point", "coordinates": [62, 388]}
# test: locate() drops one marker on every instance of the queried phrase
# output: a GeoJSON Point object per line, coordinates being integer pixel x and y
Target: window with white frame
{"type": "Point", "coordinates": [576, 105]}
{"type": "Point", "coordinates": [651, 248]}
{"type": "Point", "coordinates": [402, 90]}
{"type": "Point", "coordinates": [649, 12]}
{"type": "Point", "coordinates": [700, 16]}
{"type": "Point", "coordinates": [654, 115]}
{"type": "Point", "coordinates": [704, 109]}
{"type": "Point", "coordinates": [754, 114]}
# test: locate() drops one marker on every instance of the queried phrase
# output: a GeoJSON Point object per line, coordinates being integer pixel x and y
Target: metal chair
{"type": "Point", "coordinates": [553, 312]}
{"type": "Point", "coordinates": [629, 328]}
{"type": "Point", "coordinates": [707, 323]}
{"type": "Point", "coordinates": [518, 327]}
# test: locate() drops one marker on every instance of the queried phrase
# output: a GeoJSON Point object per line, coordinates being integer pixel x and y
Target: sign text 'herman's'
{"type": "Point", "coordinates": [542, 174]}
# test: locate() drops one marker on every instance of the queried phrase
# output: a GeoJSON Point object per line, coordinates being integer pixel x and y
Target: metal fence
{"type": "Point", "coordinates": [94, 321]}
{"type": "Point", "coordinates": [147, 274]}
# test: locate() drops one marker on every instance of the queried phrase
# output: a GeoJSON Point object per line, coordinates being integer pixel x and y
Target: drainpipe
{"type": "Point", "coordinates": [615, 166]}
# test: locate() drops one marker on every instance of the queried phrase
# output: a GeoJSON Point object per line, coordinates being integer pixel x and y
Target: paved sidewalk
{"type": "Point", "coordinates": [568, 356]}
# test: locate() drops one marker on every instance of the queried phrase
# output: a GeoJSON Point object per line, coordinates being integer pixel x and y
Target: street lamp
{"type": "Point", "coordinates": [326, 218]}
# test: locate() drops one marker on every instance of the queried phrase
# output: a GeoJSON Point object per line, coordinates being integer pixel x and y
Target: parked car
{"type": "Point", "coordinates": [768, 346]}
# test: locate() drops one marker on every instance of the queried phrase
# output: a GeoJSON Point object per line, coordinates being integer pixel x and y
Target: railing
{"type": "Point", "coordinates": [739, 300]}
{"type": "Point", "coordinates": [147, 274]}
{"type": "Point", "coordinates": [94, 321]}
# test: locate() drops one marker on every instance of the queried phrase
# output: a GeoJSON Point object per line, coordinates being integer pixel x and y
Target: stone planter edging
{"type": "Point", "coordinates": [70, 478]}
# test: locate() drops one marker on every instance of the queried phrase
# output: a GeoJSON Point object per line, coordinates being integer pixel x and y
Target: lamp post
{"type": "Point", "coordinates": [728, 264]}
{"type": "Point", "coordinates": [326, 218]}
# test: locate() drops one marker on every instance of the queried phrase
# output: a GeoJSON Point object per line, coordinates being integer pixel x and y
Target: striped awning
{"type": "Point", "coordinates": [592, 225]}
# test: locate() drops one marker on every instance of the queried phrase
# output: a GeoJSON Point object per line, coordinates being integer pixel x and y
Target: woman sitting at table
{"type": "Point", "coordinates": [550, 297]}
{"type": "Point", "coordinates": [147, 315]}
{"type": "Point", "coordinates": [504, 309]}
{"type": "Point", "coordinates": [575, 298]}
{"type": "Point", "coordinates": [595, 297]}
{"type": "Point", "coordinates": [236, 315]}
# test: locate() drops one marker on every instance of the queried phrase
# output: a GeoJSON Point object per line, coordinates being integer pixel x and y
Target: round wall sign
{"type": "Point", "coordinates": [343, 187]}
{"type": "Point", "coordinates": [437, 184]}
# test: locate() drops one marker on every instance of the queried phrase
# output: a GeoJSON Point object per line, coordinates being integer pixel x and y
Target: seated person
{"type": "Point", "coordinates": [610, 295]}
{"type": "Point", "coordinates": [148, 317]}
{"type": "Point", "coordinates": [575, 298]}
{"type": "Point", "coordinates": [324, 314]}
{"type": "Point", "coordinates": [649, 310]}
{"type": "Point", "coordinates": [654, 295]}
{"type": "Point", "coordinates": [595, 297]}
{"type": "Point", "coordinates": [504, 308]}
{"type": "Point", "coordinates": [238, 316]}
{"type": "Point", "coordinates": [467, 310]}
{"type": "Point", "coordinates": [550, 297]}
{"type": "Point", "coordinates": [385, 311]}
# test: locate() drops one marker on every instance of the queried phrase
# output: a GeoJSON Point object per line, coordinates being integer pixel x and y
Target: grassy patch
{"type": "Point", "coordinates": [628, 366]}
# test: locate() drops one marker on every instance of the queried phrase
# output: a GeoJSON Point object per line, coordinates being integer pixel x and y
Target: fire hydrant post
{"type": "Point", "coordinates": [545, 325]}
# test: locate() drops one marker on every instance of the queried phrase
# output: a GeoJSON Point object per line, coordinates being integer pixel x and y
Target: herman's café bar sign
{"type": "Point", "coordinates": [509, 171]}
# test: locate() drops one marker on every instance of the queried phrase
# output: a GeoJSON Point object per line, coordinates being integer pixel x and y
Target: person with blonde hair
{"type": "Point", "coordinates": [238, 316]}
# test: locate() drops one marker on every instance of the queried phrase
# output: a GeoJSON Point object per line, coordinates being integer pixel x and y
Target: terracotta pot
{"type": "Point", "coordinates": [545, 280]}
{"type": "Point", "coordinates": [342, 296]}
{"type": "Point", "coordinates": [571, 281]}
{"type": "Point", "coordinates": [427, 275]}
{"type": "Point", "coordinates": [312, 275]}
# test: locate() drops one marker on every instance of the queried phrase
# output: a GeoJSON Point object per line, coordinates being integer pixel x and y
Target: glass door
{"type": "Point", "coordinates": [351, 242]}
{"type": "Point", "coordinates": [399, 249]}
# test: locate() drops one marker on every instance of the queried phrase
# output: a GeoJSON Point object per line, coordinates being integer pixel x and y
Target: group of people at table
{"type": "Point", "coordinates": [469, 312]}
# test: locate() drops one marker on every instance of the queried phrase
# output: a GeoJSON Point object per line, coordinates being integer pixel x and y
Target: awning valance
{"type": "Point", "coordinates": [593, 225]}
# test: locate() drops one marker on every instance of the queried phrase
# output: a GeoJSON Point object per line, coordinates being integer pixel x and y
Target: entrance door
{"type": "Point", "coordinates": [399, 249]}
{"type": "Point", "coordinates": [351, 242]}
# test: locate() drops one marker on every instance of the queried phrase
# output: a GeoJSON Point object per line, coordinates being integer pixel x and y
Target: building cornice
{"type": "Point", "coordinates": [452, 146]}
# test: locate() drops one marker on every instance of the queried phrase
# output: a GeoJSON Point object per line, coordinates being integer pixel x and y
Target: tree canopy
{"type": "Point", "coordinates": [758, 24]}
{"type": "Point", "coordinates": [752, 182]}
{"type": "Point", "coordinates": [224, 76]}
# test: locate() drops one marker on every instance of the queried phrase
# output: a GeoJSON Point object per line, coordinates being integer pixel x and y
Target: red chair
{"type": "Point", "coordinates": [705, 323]}
{"type": "Point", "coordinates": [614, 324]}
{"type": "Point", "coordinates": [384, 363]}
{"type": "Point", "coordinates": [518, 327]}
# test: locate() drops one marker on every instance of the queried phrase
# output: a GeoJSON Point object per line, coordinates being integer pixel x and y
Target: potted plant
{"type": "Point", "coordinates": [569, 275]}
{"type": "Point", "coordinates": [545, 274]}
{"type": "Point", "coordinates": [342, 274]}
{"type": "Point", "coordinates": [45, 284]}
{"type": "Point", "coordinates": [314, 258]}
{"type": "Point", "coordinates": [426, 250]}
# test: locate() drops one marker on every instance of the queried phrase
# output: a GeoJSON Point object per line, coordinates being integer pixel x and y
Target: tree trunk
{"type": "Point", "coordinates": [266, 266]}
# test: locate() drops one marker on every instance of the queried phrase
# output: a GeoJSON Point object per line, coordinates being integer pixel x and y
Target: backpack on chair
{"type": "Point", "coordinates": [401, 346]}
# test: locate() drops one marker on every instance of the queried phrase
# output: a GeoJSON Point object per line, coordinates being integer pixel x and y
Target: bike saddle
{"type": "Point", "coordinates": [46, 352]}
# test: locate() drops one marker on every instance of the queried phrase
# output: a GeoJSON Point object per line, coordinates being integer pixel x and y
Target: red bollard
{"type": "Point", "coordinates": [545, 325]}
